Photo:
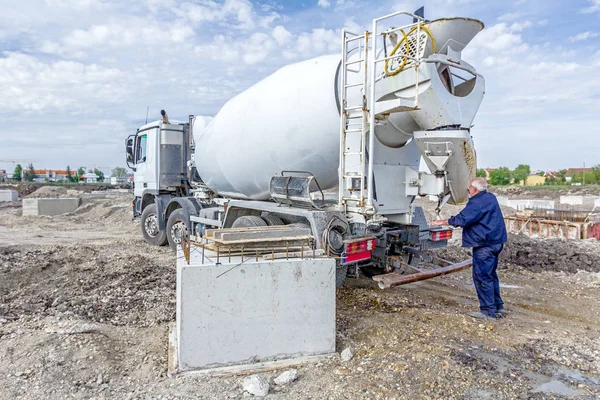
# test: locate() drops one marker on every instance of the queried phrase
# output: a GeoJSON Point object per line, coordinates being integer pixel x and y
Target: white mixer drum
{"type": "Point", "coordinates": [288, 121]}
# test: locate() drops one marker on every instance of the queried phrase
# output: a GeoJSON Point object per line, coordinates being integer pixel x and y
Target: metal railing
{"type": "Point", "coordinates": [369, 57]}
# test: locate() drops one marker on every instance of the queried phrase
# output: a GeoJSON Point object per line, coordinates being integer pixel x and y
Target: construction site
{"type": "Point", "coordinates": [86, 305]}
{"type": "Point", "coordinates": [326, 234]}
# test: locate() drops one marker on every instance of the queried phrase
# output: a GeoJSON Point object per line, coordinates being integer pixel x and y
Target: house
{"type": "Point", "coordinates": [533, 180]}
{"type": "Point", "coordinates": [52, 175]}
{"type": "Point", "coordinates": [571, 172]}
{"type": "Point", "coordinates": [90, 177]}
{"type": "Point", "coordinates": [61, 175]}
{"type": "Point", "coordinates": [3, 175]}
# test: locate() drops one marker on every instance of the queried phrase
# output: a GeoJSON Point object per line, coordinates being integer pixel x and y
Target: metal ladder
{"type": "Point", "coordinates": [358, 120]}
{"type": "Point", "coordinates": [354, 124]}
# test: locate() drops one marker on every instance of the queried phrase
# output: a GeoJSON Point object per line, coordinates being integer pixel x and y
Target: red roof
{"type": "Point", "coordinates": [575, 171]}
{"type": "Point", "coordinates": [56, 171]}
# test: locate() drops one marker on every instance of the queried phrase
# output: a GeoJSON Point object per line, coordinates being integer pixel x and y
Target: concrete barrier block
{"type": "Point", "coordinates": [50, 206]}
{"type": "Point", "coordinates": [257, 311]}
{"type": "Point", "coordinates": [9, 195]}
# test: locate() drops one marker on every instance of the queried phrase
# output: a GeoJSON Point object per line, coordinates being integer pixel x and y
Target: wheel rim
{"type": "Point", "coordinates": [178, 231]}
{"type": "Point", "coordinates": [151, 225]}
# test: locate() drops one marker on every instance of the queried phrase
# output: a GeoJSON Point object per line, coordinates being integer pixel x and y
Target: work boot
{"type": "Point", "coordinates": [501, 313]}
{"type": "Point", "coordinates": [482, 315]}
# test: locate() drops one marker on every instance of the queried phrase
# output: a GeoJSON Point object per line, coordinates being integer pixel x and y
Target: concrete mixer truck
{"type": "Point", "coordinates": [333, 143]}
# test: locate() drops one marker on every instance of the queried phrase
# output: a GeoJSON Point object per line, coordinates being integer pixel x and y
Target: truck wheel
{"type": "Point", "coordinates": [340, 274]}
{"type": "Point", "coordinates": [176, 228]}
{"type": "Point", "coordinates": [150, 231]}
{"type": "Point", "coordinates": [248, 221]}
{"type": "Point", "coordinates": [272, 220]}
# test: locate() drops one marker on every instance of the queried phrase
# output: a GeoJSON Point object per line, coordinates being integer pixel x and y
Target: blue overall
{"type": "Point", "coordinates": [484, 231]}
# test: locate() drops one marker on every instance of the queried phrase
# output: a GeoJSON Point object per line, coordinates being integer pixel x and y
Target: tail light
{"type": "Point", "coordinates": [358, 249]}
{"type": "Point", "coordinates": [440, 235]}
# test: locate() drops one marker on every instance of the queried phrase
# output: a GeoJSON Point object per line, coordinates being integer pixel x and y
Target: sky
{"type": "Point", "coordinates": [78, 76]}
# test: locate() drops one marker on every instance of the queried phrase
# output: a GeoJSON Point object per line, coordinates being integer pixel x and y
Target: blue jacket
{"type": "Point", "coordinates": [481, 220]}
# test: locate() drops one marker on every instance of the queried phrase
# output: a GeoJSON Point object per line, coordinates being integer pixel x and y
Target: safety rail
{"type": "Point", "coordinates": [368, 55]}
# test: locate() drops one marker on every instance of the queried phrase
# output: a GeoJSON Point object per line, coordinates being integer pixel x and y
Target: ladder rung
{"type": "Point", "coordinates": [348, 40]}
{"type": "Point", "coordinates": [355, 62]}
{"type": "Point", "coordinates": [353, 153]}
{"type": "Point", "coordinates": [352, 130]}
{"type": "Point", "coordinates": [353, 108]}
{"type": "Point", "coordinates": [353, 85]}
{"type": "Point", "coordinates": [352, 176]}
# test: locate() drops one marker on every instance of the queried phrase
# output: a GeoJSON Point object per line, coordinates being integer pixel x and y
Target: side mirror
{"type": "Point", "coordinates": [129, 150]}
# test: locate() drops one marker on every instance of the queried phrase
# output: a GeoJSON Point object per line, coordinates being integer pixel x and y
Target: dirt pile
{"type": "Point", "coordinates": [53, 192]}
{"type": "Point", "coordinates": [89, 282]}
{"type": "Point", "coordinates": [539, 255]}
{"type": "Point", "coordinates": [23, 189]}
{"type": "Point", "coordinates": [26, 189]}
{"type": "Point", "coordinates": [544, 192]}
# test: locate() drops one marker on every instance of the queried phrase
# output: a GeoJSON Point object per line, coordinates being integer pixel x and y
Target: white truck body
{"type": "Point", "coordinates": [359, 122]}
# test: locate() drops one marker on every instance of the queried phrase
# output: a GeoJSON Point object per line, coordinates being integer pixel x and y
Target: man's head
{"type": "Point", "coordinates": [477, 185]}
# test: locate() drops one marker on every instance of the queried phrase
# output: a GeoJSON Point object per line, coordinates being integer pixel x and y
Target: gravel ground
{"type": "Point", "coordinates": [85, 307]}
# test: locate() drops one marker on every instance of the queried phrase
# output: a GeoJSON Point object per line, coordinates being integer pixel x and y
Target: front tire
{"type": "Point", "coordinates": [177, 230]}
{"type": "Point", "coordinates": [149, 223]}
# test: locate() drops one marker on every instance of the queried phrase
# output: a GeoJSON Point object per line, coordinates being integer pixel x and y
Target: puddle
{"type": "Point", "coordinates": [557, 387]}
{"type": "Point", "coordinates": [577, 376]}
{"type": "Point", "coordinates": [505, 286]}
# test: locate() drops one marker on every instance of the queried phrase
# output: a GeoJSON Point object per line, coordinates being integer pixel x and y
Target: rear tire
{"type": "Point", "coordinates": [149, 225]}
{"type": "Point", "coordinates": [272, 220]}
{"type": "Point", "coordinates": [177, 230]}
{"type": "Point", "coordinates": [341, 271]}
{"type": "Point", "coordinates": [248, 221]}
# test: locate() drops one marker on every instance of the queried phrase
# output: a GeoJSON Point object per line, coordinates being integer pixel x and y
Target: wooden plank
{"type": "Point", "coordinates": [308, 253]}
{"type": "Point", "coordinates": [228, 236]}
{"type": "Point", "coordinates": [252, 249]}
{"type": "Point", "coordinates": [210, 233]}
{"type": "Point", "coordinates": [271, 241]}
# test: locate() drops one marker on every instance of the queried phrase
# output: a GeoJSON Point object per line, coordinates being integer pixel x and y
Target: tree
{"type": "Point", "coordinates": [590, 178]}
{"type": "Point", "coordinates": [29, 175]}
{"type": "Point", "coordinates": [521, 173]}
{"type": "Point", "coordinates": [596, 172]}
{"type": "Point", "coordinates": [119, 172]}
{"type": "Point", "coordinates": [17, 174]}
{"type": "Point", "coordinates": [481, 173]}
{"type": "Point", "coordinates": [561, 175]}
{"type": "Point", "coordinates": [69, 177]}
{"type": "Point", "coordinates": [99, 174]}
{"type": "Point", "coordinates": [500, 176]}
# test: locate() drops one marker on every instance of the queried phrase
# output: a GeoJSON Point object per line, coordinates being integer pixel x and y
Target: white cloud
{"type": "Point", "coordinates": [594, 7]}
{"type": "Point", "coordinates": [583, 36]}
{"type": "Point", "coordinates": [281, 35]}
{"type": "Point", "coordinates": [520, 26]}
{"type": "Point", "coordinates": [239, 14]}
{"type": "Point", "coordinates": [34, 86]}
{"type": "Point", "coordinates": [76, 4]}
{"type": "Point", "coordinates": [498, 38]}
{"type": "Point", "coordinates": [103, 62]}
{"type": "Point", "coordinates": [137, 32]}
{"type": "Point", "coordinates": [324, 3]}
{"type": "Point", "coordinates": [319, 41]}
{"type": "Point", "coordinates": [509, 17]}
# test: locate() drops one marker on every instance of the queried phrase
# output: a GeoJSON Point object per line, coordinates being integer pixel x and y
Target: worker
{"type": "Point", "coordinates": [484, 231]}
